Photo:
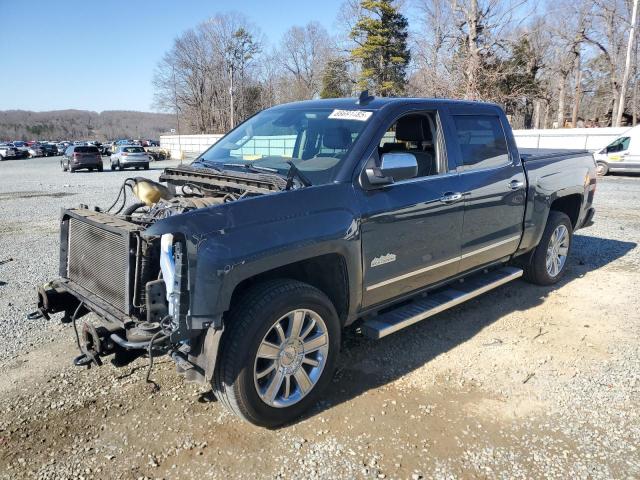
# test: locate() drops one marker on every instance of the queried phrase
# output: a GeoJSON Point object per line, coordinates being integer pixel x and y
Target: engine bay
{"type": "Point", "coordinates": [189, 188]}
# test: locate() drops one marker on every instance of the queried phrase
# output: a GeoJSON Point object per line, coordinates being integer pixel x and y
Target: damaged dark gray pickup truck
{"type": "Point", "coordinates": [245, 265]}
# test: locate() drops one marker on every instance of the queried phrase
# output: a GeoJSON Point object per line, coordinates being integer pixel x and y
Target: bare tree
{"type": "Point", "coordinates": [207, 68]}
{"type": "Point", "coordinates": [303, 54]}
{"type": "Point", "coordinates": [627, 63]}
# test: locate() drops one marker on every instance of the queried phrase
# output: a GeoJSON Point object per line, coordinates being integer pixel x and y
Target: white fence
{"type": "Point", "coordinates": [568, 138]}
{"type": "Point", "coordinates": [562, 138]}
{"type": "Point", "coordinates": [187, 145]}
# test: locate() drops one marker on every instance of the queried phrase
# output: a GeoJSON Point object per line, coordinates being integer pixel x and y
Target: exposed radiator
{"type": "Point", "coordinates": [98, 261]}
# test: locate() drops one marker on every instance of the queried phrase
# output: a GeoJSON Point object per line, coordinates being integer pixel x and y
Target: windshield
{"type": "Point", "coordinates": [316, 141]}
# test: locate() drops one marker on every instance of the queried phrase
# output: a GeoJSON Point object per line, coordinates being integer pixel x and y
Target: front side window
{"type": "Point", "coordinates": [317, 141]}
{"type": "Point", "coordinates": [619, 145]}
{"type": "Point", "coordinates": [481, 140]}
{"type": "Point", "coordinates": [417, 134]}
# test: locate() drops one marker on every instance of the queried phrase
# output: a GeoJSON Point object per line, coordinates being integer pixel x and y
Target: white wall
{"type": "Point", "coordinates": [568, 138]}
{"type": "Point", "coordinates": [187, 145]}
{"type": "Point", "coordinates": [562, 138]}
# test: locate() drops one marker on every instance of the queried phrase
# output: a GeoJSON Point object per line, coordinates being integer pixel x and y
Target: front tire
{"type": "Point", "coordinates": [548, 262]}
{"type": "Point", "coordinates": [278, 353]}
{"type": "Point", "coordinates": [602, 169]}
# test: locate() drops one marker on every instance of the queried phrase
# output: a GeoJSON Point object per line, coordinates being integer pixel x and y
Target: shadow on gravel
{"type": "Point", "coordinates": [366, 364]}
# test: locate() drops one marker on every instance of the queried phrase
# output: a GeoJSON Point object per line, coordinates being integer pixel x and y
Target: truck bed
{"type": "Point", "coordinates": [533, 154]}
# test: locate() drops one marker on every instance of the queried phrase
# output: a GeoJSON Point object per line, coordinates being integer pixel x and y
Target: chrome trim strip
{"type": "Point", "coordinates": [489, 247]}
{"type": "Point", "coordinates": [411, 274]}
{"type": "Point", "coordinates": [441, 264]}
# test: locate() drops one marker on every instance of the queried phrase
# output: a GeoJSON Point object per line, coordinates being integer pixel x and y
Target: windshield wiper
{"type": "Point", "coordinates": [206, 164]}
{"type": "Point", "coordinates": [251, 167]}
{"type": "Point", "coordinates": [292, 173]}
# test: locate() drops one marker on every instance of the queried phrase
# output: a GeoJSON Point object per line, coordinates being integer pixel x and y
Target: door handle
{"type": "Point", "coordinates": [451, 197]}
{"type": "Point", "coordinates": [516, 184]}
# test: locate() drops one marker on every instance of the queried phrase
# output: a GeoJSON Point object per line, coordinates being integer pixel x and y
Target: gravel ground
{"type": "Point", "coordinates": [523, 382]}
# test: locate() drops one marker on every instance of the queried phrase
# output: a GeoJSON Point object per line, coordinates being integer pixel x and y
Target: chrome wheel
{"type": "Point", "coordinates": [291, 358]}
{"type": "Point", "coordinates": [557, 250]}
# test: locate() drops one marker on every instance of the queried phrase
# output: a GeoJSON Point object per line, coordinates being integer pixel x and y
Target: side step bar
{"type": "Point", "coordinates": [387, 323]}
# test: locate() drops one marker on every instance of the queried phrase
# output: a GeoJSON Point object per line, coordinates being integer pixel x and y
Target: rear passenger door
{"type": "Point", "coordinates": [493, 184]}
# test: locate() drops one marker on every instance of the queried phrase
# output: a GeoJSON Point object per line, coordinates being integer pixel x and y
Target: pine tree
{"type": "Point", "coordinates": [382, 52]}
{"type": "Point", "coordinates": [335, 79]}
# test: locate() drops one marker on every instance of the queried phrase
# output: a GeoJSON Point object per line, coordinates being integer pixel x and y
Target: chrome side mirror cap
{"type": "Point", "coordinates": [394, 167]}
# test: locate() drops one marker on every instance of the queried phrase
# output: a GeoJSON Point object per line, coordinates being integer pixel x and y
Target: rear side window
{"type": "Point", "coordinates": [482, 141]}
{"type": "Point", "coordinates": [87, 149]}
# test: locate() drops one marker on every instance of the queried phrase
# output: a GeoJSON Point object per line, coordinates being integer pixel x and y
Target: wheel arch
{"type": "Point", "coordinates": [328, 273]}
{"type": "Point", "coordinates": [569, 205]}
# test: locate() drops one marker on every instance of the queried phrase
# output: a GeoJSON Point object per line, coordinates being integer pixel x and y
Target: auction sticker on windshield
{"type": "Point", "coordinates": [360, 115]}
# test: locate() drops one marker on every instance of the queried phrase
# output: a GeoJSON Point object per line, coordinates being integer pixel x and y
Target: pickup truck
{"type": "Point", "coordinates": [245, 265]}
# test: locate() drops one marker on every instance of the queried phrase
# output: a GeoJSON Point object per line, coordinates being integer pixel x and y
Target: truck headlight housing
{"type": "Point", "coordinates": [168, 268]}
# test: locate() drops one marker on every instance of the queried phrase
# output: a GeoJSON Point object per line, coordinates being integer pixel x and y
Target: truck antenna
{"type": "Point", "coordinates": [364, 98]}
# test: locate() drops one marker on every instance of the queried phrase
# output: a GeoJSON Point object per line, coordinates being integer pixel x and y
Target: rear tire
{"type": "Point", "coordinates": [146, 167]}
{"type": "Point", "coordinates": [602, 169]}
{"type": "Point", "coordinates": [548, 263]}
{"type": "Point", "coordinates": [100, 168]}
{"type": "Point", "coordinates": [267, 314]}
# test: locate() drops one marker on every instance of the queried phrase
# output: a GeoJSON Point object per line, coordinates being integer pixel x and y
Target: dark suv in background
{"type": "Point", "coordinates": [81, 156]}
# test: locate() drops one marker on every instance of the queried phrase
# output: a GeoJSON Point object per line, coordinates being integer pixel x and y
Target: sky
{"type": "Point", "coordinates": [100, 54]}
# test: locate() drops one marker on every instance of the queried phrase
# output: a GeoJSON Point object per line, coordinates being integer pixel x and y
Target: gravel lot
{"type": "Point", "coordinates": [523, 382]}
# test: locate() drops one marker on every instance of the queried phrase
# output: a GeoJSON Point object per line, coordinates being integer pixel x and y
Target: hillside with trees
{"type": "Point", "coordinates": [83, 125]}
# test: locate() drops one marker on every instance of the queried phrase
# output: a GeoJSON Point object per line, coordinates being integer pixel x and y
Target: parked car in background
{"type": "Point", "coordinates": [21, 148]}
{"type": "Point", "coordinates": [78, 157]}
{"type": "Point", "coordinates": [130, 156]}
{"type": "Point", "coordinates": [35, 150]}
{"type": "Point", "coordinates": [7, 152]}
{"type": "Point", "coordinates": [49, 149]}
{"type": "Point", "coordinates": [621, 155]}
{"type": "Point", "coordinates": [62, 146]}
{"type": "Point", "coordinates": [105, 148]}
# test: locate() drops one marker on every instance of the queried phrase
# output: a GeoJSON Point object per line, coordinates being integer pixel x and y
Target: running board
{"type": "Point", "coordinates": [454, 294]}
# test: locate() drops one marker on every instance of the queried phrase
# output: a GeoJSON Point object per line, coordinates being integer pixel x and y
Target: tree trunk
{"type": "Point", "coordinates": [561, 95]}
{"type": "Point", "coordinates": [536, 113]}
{"type": "Point", "coordinates": [473, 63]}
{"type": "Point", "coordinates": [627, 64]}
{"type": "Point", "coordinates": [577, 94]}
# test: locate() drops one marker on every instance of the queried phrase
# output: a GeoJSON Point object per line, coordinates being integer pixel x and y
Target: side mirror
{"type": "Point", "coordinates": [394, 168]}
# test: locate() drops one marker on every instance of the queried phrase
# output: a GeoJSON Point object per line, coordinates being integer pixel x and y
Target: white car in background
{"type": "Point", "coordinates": [621, 155]}
{"type": "Point", "coordinates": [130, 156]}
{"type": "Point", "coordinates": [7, 152]}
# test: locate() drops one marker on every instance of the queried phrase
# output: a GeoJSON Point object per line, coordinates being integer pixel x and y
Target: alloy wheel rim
{"type": "Point", "coordinates": [557, 250]}
{"type": "Point", "coordinates": [291, 358]}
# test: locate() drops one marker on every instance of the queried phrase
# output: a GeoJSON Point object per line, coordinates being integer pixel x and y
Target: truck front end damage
{"type": "Point", "coordinates": [136, 283]}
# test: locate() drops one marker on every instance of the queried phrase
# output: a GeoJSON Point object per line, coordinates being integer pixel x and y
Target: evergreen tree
{"type": "Point", "coordinates": [335, 79]}
{"type": "Point", "coordinates": [382, 52]}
